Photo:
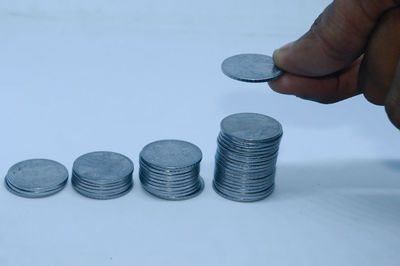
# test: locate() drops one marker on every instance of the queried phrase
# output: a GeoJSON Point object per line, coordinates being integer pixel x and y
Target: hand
{"type": "Point", "coordinates": [353, 47]}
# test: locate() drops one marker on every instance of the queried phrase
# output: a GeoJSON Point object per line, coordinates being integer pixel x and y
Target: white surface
{"type": "Point", "coordinates": [78, 76]}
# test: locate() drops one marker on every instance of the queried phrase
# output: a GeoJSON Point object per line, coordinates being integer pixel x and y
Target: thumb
{"type": "Point", "coordinates": [335, 40]}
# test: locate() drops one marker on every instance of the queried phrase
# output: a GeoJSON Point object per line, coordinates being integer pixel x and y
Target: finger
{"type": "Point", "coordinates": [381, 57]}
{"type": "Point", "coordinates": [335, 40]}
{"type": "Point", "coordinates": [392, 104]}
{"type": "Point", "coordinates": [329, 89]}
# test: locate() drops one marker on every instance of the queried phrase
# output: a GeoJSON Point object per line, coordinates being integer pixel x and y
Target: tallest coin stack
{"type": "Point", "coordinates": [247, 152]}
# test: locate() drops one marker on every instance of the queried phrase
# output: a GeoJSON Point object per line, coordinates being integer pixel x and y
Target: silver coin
{"type": "Point", "coordinates": [251, 68]}
{"type": "Point", "coordinates": [36, 178]}
{"type": "Point", "coordinates": [102, 196]}
{"type": "Point", "coordinates": [242, 197]}
{"type": "Point", "coordinates": [93, 185]}
{"type": "Point", "coordinates": [167, 154]}
{"type": "Point", "coordinates": [246, 146]}
{"type": "Point", "coordinates": [102, 175]}
{"type": "Point", "coordinates": [169, 169]}
{"type": "Point", "coordinates": [175, 196]}
{"type": "Point", "coordinates": [103, 167]}
{"type": "Point", "coordinates": [251, 127]}
{"type": "Point", "coordinates": [99, 188]}
{"type": "Point", "coordinates": [33, 194]}
{"type": "Point", "coordinates": [245, 186]}
{"type": "Point", "coordinates": [175, 173]}
{"type": "Point", "coordinates": [246, 156]}
{"type": "Point", "coordinates": [245, 190]}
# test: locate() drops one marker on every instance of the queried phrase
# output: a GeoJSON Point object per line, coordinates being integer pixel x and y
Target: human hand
{"type": "Point", "coordinates": [353, 47]}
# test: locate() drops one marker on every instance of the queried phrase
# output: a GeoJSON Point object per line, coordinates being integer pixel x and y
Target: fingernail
{"type": "Point", "coordinates": [279, 53]}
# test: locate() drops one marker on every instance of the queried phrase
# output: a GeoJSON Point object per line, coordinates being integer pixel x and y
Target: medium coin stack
{"type": "Point", "coordinates": [36, 178]}
{"type": "Point", "coordinates": [102, 175]}
{"type": "Point", "coordinates": [246, 156]}
{"type": "Point", "coordinates": [169, 169]}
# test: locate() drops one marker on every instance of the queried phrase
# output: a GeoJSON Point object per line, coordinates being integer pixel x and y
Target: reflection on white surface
{"type": "Point", "coordinates": [340, 213]}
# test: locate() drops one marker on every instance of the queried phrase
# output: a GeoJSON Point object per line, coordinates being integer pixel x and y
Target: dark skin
{"type": "Point", "coordinates": [353, 47]}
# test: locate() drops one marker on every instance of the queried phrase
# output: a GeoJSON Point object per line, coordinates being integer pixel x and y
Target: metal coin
{"type": "Point", "coordinates": [171, 154]}
{"type": "Point", "coordinates": [169, 169]}
{"type": "Point", "coordinates": [36, 178]}
{"type": "Point", "coordinates": [173, 196]}
{"type": "Point", "coordinates": [102, 196]}
{"type": "Point", "coordinates": [251, 68]}
{"type": "Point", "coordinates": [33, 194]}
{"type": "Point", "coordinates": [103, 167]}
{"type": "Point", "coordinates": [251, 127]}
{"type": "Point", "coordinates": [102, 175]}
{"type": "Point", "coordinates": [242, 197]}
{"type": "Point", "coordinates": [246, 156]}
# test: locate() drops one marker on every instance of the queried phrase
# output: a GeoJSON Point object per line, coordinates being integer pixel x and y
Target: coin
{"type": "Point", "coordinates": [171, 154]}
{"type": "Point", "coordinates": [36, 178]}
{"type": "Point", "coordinates": [250, 128]}
{"type": "Point", "coordinates": [102, 175]}
{"type": "Point", "coordinates": [246, 156]}
{"type": "Point", "coordinates": [170, 169]}
{"type": "Point", "coordinates": [251, 68]}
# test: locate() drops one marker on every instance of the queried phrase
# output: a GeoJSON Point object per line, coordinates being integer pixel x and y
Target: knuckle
{"type": "Point", "coordinates": [335, 30]}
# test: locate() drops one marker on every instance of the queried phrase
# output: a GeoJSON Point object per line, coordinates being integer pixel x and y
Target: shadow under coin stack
{"type": "Point", "coordinates": [169, 169]}
{"type": "Point", "coordinates": [246, 157]}
{"type": "Point", "coordinates": [36, 178]}
{"type": "Point", "coordinates": [102, 175]}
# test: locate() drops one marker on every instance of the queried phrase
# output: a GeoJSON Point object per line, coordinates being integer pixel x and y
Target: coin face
{"type": "Point", "coordinates": [36, 178]}
{"type": "Point", "coordinates": [246, 156]}
{"type": "Point", "coordinates": [251, 126]}
{"type": "Point", "coordinates": [251, 68]}
{"type": "Point", "coordinates": [171, 154]}
{"type": "Point", "coordinates": [37, 174]}
{"type": "Point", "coordinates": [169, 169]}
{"type": "Point", "coordinates": [103, 166]}
{"type": "Point", "coordinates": [102, 175]}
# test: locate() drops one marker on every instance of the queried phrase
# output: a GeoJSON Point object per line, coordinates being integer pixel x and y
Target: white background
{"type": "Point", "coordinates": [79, 76]}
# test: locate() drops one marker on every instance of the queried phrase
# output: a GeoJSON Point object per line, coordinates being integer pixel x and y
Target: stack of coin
{"type": "Point", "coordinates": [169, 169]}
{"type": "Point", "coordinates": [246, 156]}
{"type": "Point", "coordinates": [36, 178]}
{"type": "Point", "coordinates": [102, 175]}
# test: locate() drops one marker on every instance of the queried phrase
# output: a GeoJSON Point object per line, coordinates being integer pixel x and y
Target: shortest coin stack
{"type": "Point", "coordinates": [246, 156]}
{"type": "Point", "coordinates": [102, 175]}
{"type": "Point", "coordinates": [169, 169]}
{"type": "Point", "coordinates": [36, 178]}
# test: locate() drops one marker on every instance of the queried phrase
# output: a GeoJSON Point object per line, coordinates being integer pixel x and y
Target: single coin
{"type": "Point", "coordinates": [103, 167]}
{"type": "Point", "coordinates": [170, 154]}
{"type": "Point", "coordinates": [251, 127]}
{"type": "Point", "coordinates": [251, 68]}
